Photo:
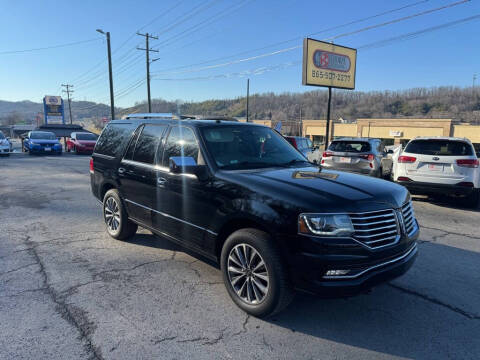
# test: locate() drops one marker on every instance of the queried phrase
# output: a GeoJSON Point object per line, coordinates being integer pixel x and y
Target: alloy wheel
{"type": "Point", "coordinates": [248, 274]}
{"type": "Point", "coordinates": [112, 214]}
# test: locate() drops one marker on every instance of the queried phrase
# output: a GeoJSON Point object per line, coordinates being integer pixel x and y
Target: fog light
{"type": "Point", "coordinates": [336, 272]}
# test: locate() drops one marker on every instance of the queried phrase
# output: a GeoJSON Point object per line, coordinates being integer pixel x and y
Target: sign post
{"type": "Point", "coordinates": [328, 65]}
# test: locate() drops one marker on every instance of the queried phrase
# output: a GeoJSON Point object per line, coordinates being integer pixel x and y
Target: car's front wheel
{"type": "Point", "coordinates": [254, 273]}
{"type": "Point", "coordinates": [116, 218]}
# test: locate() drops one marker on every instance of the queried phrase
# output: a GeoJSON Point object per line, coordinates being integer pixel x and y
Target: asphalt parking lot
{"type": "Point", "coordinates": [69, 291]}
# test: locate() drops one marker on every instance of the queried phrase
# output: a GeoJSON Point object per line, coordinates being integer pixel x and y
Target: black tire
{"type": "Point", "coordinates": [280, 292]}
{"type": "Point", "coordinates": [126, 228]}
{"type": "Point", "coordinates": [472, 200]}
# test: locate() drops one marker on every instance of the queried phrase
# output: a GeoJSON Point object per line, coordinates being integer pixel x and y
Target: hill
{"type": "Point", "coordinates": [451, 102]}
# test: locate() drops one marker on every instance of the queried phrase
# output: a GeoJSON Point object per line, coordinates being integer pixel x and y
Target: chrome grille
{"type": "Point", "coordinates": [409, 218]}
{"type": "Point", "coordinates": [376, 229]}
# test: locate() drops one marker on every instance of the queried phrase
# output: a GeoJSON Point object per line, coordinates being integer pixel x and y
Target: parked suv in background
{"type": "Point", "coordinates": [360, 155]}
{"type": "Point", "coordinates": [302, 144]}
{"type": "Point", "coordinates": [240, 195]}
{"type": "Point", "coordinates": [440, 165]}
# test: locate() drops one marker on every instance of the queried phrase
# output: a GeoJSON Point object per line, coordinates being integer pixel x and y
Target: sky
{"type": "Point", "coordinates": [207, 49]}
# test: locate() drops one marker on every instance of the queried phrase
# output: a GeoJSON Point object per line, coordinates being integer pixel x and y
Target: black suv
{"type": "Point", "coordinates": [241, 195]}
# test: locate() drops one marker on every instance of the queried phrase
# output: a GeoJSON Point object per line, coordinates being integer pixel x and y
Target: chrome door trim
{"type": "Point", "coordinates": [172, 217]}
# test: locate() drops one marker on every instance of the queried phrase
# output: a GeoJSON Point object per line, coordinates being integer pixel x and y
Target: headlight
{"type": "Point", "coordinates": [33, 143]}
{"type": "Point", "coordinates": [325, 224]}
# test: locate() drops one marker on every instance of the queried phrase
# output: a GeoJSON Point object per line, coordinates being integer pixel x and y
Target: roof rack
{"type": "Point", "coordinates": [217, 118]}
{"type": "Point", "coordinates": [163, 116]}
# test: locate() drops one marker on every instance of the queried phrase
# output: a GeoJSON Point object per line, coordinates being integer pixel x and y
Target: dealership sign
{"type": "Point", "coordinates": [326, 64]}
{"type": "Point", "coordinates": [53, 110]}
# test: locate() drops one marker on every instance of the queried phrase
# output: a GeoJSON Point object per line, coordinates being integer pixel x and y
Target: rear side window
{"type": "Point", "coordinates": [113, 140]}
{"type": "Point", "coordinates": [180, 142]}
{"type": "Point", "coordinates": [439, 147]}
{"type": "Point", "coordinates": [147, 143]}
{"type": "Point", "coordinates": [350, 146]}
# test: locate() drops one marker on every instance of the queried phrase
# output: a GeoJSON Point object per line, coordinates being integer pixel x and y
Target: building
{"type": "Point", "coordinates": [392, 131]}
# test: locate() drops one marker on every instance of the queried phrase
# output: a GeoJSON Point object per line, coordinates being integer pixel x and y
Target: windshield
{"type": "Point", "coordinates": [350, 146]}
{"type": "Point", "coordinates": [439, 147]}
{"type": "Point", "coordinates": [42, 135]}
{"type": "Point", "coordinates": [248, 147]}
{"type": "Point", "coordinates": [86, 137]}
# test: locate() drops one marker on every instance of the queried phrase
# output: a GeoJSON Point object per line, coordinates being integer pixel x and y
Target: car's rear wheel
{"type": "Point", "coordinates": [116, 218]}
{"type": "Point", "coordinates": [254, 273]}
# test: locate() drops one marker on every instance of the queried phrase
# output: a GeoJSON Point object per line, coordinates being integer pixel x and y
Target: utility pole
{"type": "Point", "coordinates": [248, 94]}
{"type": "Point", "coordinates": [109, 50]}
{"type": "Point", "coordinates": [68, 91]}
{"type": "Point", "coordinates": [147, 52]}
{"type": "Point", "coordinates": [474, 78]}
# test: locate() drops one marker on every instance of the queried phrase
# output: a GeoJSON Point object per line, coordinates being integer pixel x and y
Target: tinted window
{"type": "Point", "coordinates": [114, 138]}
{"type": "Point", "coordinates": [133, 142]}
{"type": "Point", "coordinates": [86, 137]}
{"type": "Point", "coordinates": [439, 147]}
{"type": "Point", "coordinates": [180, 142]}
{"type": "Point", "coordinates": [350, 146]}
{"type": "Point", "coordinates": [247, 147]}
{"type": "Point", "coordinates": [147, 143]}
{"type": "Point", "coordinates": [42, 135]}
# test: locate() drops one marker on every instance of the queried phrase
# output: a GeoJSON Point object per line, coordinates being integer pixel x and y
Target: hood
{"type": "Point", "coordinates": [44, 141]}
{"type": "Point", "coordinates": [324, 191]}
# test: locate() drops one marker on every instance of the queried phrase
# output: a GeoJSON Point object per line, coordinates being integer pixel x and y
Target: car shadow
{"type": "Point", "coordinates": [159, 242]}
{"type": "Point", "coordinates": [446, 202]}
{"type": "Point", "coordinates": [412, 317]}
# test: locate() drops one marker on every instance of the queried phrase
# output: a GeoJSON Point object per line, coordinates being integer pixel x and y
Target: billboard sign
{"type": "Point", "coordinates": [326, 64]}
{"type": "Point", "coordinates": [53, 110]}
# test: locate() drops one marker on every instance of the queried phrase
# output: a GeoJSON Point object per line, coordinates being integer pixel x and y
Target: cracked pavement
{"type": "Point", "coordinates": [68, 291]}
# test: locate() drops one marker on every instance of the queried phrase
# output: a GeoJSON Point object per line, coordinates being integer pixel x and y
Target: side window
{"type": "Point", "coordinates": [133, 142]}
{"type": "Point", "coordinates": [113, 140]}
{"type": "Point", "coordinates": [180, 142]}
{"type": "Point", "coordinates": [147, 143]}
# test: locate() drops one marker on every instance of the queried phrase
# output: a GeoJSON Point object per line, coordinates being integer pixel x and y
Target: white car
{"type": "Point", "coordinates": [5, 145]}
{"type": "Point", "coordinates": [440, 165]}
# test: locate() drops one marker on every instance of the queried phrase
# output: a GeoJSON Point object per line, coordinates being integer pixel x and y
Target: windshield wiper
{"type": "Point", "coordinates": [245, 165]}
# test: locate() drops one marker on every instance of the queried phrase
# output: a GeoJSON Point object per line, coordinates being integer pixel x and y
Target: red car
{"type": "Point", "coordinates": [81, 142]}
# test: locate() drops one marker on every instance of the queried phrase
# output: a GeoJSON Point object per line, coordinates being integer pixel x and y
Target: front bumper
{"type": "Point", "coordinates": [4, 149]}
{"type": "Point", "coordinates": [366, 268]}
{"type": "Point", "coordinates": [416, 187]}
{"type": "Point", "coordinates": [41, 150]}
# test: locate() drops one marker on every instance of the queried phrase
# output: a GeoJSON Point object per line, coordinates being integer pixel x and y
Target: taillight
{"type": "Point", "coordinates": [327, 154]}
{"type": "Point", "coordinates": [403, 178]}
{"type": "Point", "coordinates": [368, 157]}
{"type": "Point", "coordinates": [406, 159]}
{"type": "Point", "coordinates": [471, 163]}
{"type": "Point", "coordinates": [91, 166]}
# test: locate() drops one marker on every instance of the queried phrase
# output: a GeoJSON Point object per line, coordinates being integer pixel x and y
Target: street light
{"type": "Point", "coordinates": [112, 105]}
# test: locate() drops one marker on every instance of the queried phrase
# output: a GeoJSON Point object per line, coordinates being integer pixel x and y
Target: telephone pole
{"type": "Point", "coordinates": [68, 91]}
{"type": "Point", "coordinates": [147, 52]}
{"type": "Point", "coordinates": [248, 95]}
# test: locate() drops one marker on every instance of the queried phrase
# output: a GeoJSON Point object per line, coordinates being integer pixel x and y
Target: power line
{"type": "Point", "coordinates": [301, 37]}
{"type": "Point", "coordinates": [206, 22]}
{"type": "Point", "coordinates": [376, 44]}
{"type": "Point", "coordinates": [327, 39]}
{"type": "Point", "coordinates": [50, 47]}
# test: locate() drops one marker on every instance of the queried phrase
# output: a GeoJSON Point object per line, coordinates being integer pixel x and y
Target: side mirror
{"type": "Point", "coordinates": [187, 165]}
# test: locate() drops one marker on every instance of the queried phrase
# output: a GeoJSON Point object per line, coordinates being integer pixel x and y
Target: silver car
{"type": "Point", "coordinates": [361, 155]}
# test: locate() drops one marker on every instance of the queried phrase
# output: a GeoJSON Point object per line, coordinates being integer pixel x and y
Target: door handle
{"type": "Point", "coordinates": [161, 181]}
{"type": "Point", "coordinates": [121, 170]}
